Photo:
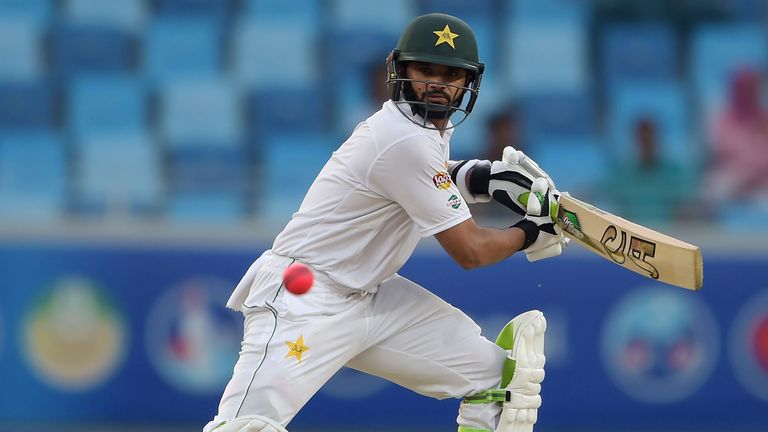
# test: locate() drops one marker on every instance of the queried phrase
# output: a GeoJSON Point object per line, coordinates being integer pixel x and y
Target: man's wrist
{"type": "Point", "coordinates": [531, 231]}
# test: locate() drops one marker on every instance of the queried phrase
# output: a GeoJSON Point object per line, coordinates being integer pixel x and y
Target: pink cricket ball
{"type": "Point", "coordinates": [298, 278]}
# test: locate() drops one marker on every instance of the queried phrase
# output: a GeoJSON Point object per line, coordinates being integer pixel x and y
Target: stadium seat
{"type": "Point", "coordinates": [118, 174]}
{"type": "Point", "coordinates": [306, 12]}
{"type": "Point", "coordinates": [547, 56]}
{"type": "Point", "coordinates": [388, 17]}
{"type": "Point", "coordinates": [549, 10]}
{"type": "Point", "coordinates": [36, 11]}
{"type": "Point", "coordinates": [719, 50]}
{"type": "Point", "coordinates": [260, 62]}
{"type": "Point", "coordinates": [277, 111]}
{"type": "Point", "coordinates": [353, 100]}
{"type": "Point", "coordinates": [557, 115]}
{"type": "Point", "coordinates": [290, 164]}
{"type": "Point", "coordinates": [638, 52]}
{"type": "Point", "coordinates": [26, 106]}
{"type": "Point", "coordinates": [746, 10]}
{"type": "Point", "coordinates": [576, 164]}
{"type": "Point", "coordinates": [208, 184]}
{"type": "Point", "coordinates": [107, 105]}
{"type": "Point", "coordinates": [20, 50]}
{"type": "Point", "coordinates": [33, 177]}
{"type": "Point", "coordinates": [91, 49]}
{"type": "Point", "coordinates": [663, 103]}
{"type": "Point", "coordinates": [742, 217]}
{"type": "Point", "coordinates": [353, 51]}
{"type": "Point", "coordinates": [218, 9]}
{"type": "Point", "coordinates": [125, 15]}
{"type": "Point", "coordinates": [477, 9]}
{"type": "Point", "coordinates": [182, 48]}
{"type": "Point", "coordinates": [203, 167]}
{"type": "Point", "coordinates": [201, 111]}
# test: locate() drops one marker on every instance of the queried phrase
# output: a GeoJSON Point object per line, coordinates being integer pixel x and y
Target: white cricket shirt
{"type": "Point", "coordinates": [381, 191]}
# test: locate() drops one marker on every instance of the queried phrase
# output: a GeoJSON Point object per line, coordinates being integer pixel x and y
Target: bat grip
{"type": "Point", "coordinates": [533, 168]}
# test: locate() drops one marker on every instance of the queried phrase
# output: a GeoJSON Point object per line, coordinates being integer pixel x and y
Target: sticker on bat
{"type": "Point", "coordinates": [639, 250]}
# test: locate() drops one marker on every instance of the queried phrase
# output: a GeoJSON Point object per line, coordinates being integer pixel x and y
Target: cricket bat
{"type": "Point", "coordinates": [632, 246]}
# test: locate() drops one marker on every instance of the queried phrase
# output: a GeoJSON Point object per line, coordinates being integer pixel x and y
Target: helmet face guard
{"type": "Point", "coordinates": [436, 39]}
{"type": "Point", "coordinates": [405, 98]}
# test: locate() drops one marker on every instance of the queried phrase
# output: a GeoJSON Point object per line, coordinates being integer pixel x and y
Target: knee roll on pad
{"type": "Point", "coordinates": [249, 424]}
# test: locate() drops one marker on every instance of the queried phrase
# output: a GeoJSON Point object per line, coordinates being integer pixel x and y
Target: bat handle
{"type": "Point", "coordinates": [533, 168]}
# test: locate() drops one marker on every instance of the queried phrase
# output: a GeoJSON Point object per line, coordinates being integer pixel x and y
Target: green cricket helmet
{"type": "Point", "coordinates": [438, 39]}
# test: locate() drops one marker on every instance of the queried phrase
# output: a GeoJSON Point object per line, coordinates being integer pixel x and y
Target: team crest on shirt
{"type": "Point", "coordinates": [454, 202]}
{"type": "Point", "coordinates": [442, 180]}
{"type": "Point", "coordinates": [296, 349]}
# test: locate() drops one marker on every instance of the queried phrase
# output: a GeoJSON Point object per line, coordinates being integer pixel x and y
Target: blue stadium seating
{"type": "Point", "coordinates": [389, 17]}
{"type": "Point", "coordinates": [547, 10]}
{"type": "Point", "coordinates": [197, 111]}
{"type": "Point", "coordinates": [466, 10]}
{"type": "Point", "coordinates": [353, 51]}
{"type": "Point", "coordinates": [208, 184]}
{"type": "Point", "coordinates": [37, 11]}
{"type": "Point", "coordinates": [277, 111]}
{"type": "Point", "coordinates": [746, 10]}
{"type": "Point", "coordinates": [290, 164]}
{"type": "Point", "coordinates": [106, 105]}
{"type": "Point", "coordinates": [218, 9]}
{"type": "Point", "coordinates": [20, 50]}
{"type": "Point", "coordinates": [353, 100]}
{"type": "Point", "coordinates": [33, 177]}
{"type": "Point", "coordinates": [742, 217]}
{"type": "Point", "coordinates": [719, 50]}
{"type": "Point", "coordinates": [260, 62]}
{"type": "Point", "coordinates": [208, 168]}
{"type": "Point", "coordinates": [182, 48]}
{"type": "Point", "coordinates": [638, 52]}
{"type": "Point", "coordinates": [118, 174]}
{"type": "Point", "coordinates": [663, 103]}
{"type": "Point", "coordinates": [577, 165]}
{"type": "Point", "coordinates": [27, 106]}
{"type": "Point", "coordinates": [307, 12]}
{"type": "Point", "coordinates": [91, 49]}
{"type": "Point", "coordinates": [125, 15]}
{"type": "Point", "coordinates": [557, 115]}
{"type": "Point", "coordinates": [547, 56]}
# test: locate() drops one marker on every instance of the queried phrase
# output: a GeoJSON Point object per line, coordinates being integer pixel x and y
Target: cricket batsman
{"type": "Point", "coordinates": [391, 183]}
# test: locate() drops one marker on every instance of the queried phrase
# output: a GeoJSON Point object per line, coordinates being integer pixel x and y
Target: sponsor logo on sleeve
{"type": "Point", "coordinates": [454, 202]}
{"type": "Point", "coordinates": [442, 180]}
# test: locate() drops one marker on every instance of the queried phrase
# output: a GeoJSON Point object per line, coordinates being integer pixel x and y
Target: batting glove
{"type": "Point", "coordinates": [544, 239]}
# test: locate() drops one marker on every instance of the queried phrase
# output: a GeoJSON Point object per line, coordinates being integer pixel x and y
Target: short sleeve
{"type": "Point", "coordinates": [413, 173]}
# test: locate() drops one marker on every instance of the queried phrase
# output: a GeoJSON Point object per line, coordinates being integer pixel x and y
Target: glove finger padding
{"type": "Point", "coordinates": [541, 208]}
{"type": "Point", "coordinates": [513, 176]}
{"type": "Point", "coordinates": [507, 184]}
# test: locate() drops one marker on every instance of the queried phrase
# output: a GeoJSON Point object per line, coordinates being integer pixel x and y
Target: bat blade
{"type": "Point", "coordinates": [632, 246]}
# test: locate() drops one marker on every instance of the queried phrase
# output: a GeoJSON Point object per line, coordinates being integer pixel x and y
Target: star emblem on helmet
{"type": "Point", "coordinates": [445, 36]}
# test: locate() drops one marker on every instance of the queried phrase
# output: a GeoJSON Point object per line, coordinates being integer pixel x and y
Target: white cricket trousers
{"type": "Point", "coordinates": [293, 344]}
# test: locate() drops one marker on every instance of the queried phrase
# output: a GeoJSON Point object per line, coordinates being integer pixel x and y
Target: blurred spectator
{"type": "Point", "coordinates": [739, 169]}
{"type": "Point", "coordinates": [502, 129]}
{"type": "Point", "coordinates": [378, 92]}
{"type": "Point", "coordinates": [650, 188]}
